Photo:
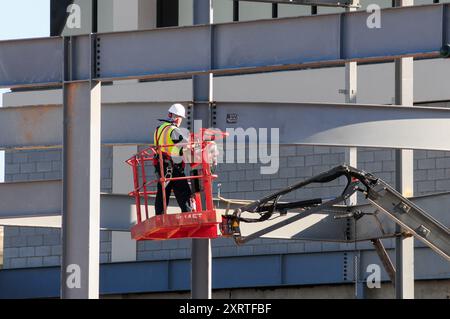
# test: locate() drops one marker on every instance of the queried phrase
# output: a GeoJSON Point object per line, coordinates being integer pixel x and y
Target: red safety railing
{"type": "Point", "coordinates": [202, 222]}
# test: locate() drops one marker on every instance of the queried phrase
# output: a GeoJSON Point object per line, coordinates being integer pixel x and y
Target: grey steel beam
{"type": "Point", "coordinates": [29, 199]}
{"type": "Point", "coordinates": [351, 156]}
{"type": "Point", "coordinates": [242, 47]}
{"type": "Point", "coordinates": [268, 45]}
{"type": "Point", "coordinates": [385, 259]}
{"type": "Point", "coordinates": [41, 126]}
{"type": "Point", "coordinates": [404, 245]}
{"type": "Point", "coordinates": [351, 88]}
{"type": "Point", "coordinates": [357, 125]}
{"type": "Point", "coordinates": [201, 254]}
{"type": "Point", "coordinates": [413, 220]}
{"type": "Point", "coordinates": [43, 198]}
{"type": "Point", "coordinates": [81, 191]}
{"type": "Point", "coordinates": [404, 175]}
{"type": "Point", "coordinates": [31, 61]}
{"type": "Point", "coordinates": [118, 212]}
{"type": "Point", "coordinates": [324, 3]}
{"type": "Point", "coordinates": [43, 221]}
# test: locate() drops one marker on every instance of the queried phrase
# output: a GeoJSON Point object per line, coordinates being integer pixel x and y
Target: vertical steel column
{"type": "Point", "coordinates": [351, 84]}
{"type": "Point", "coordinates": [81, 185]}
{"type": "Point", "coordinates": [351, 158]}
{"type": "Point", "coordinates": [404, 160]}
{"type": "Point", "coordinates": [202, 95]}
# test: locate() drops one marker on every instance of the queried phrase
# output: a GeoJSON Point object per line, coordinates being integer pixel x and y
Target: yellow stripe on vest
{"type": "Point", "coordinates": [162, 136]}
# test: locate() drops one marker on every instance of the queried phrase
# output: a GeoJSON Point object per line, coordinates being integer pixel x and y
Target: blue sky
{"type": "Point", "coordinates": [22, 19]}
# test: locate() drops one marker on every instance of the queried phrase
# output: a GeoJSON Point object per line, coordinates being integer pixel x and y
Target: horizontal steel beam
{"type": "Point", "coordinates": [26, 200]}
{"type": "Point", "coordinates": [231, 48]}
{"type": "Point", "coordinates": [42, 221]}
{"type": "Point", "coordinates": [343, 124]}
{"type": "Point", "coordinates": [324, 3]}
{"type": "Point", "coordinates": [41, 126]}
{"type": "Point", "coordinates": [30, 199]}
{"type": "Point", "coordinates": [44, 199]}
{"type": "Point", "coordinates": [302, 123]}
{"type": "Point", "coordinates": [118, 212]}
{"type": "Point", "coordinates": [31, 61]}
{"type": "Point", "coordinates": [274, 271]}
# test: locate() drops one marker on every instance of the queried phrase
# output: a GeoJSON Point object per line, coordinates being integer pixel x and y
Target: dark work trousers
{"type": "Point", "coordinates": [180, 188]}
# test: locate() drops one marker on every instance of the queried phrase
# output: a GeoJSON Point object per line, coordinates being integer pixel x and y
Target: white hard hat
{"type": "Point", "coordinates": [178, 109]}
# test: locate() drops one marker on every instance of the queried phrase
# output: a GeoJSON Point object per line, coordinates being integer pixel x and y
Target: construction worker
{"type": "Point", "coordinates": [168, 135]}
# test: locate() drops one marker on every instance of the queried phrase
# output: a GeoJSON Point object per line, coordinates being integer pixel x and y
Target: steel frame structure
{"type": "Point", "coordinates": [384, 126]}
{"type": "Point", "coordinates": [79, 65]}
{"type": "Point", "coordinates": [118, 212]}
{"type": "Point", "coordinates": [257, 46]}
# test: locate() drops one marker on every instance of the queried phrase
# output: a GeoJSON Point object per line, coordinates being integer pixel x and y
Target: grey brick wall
{"type": "Point", "coordinates": [27, 247]}
{"type": "Point", "coordinates": [432, 172]}
{"type": "Point", "coordinates": [35, 165]}
{"type": "Point", "coordinates": [107, 169]}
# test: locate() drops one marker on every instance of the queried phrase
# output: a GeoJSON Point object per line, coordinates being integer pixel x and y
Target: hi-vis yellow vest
{"type": "Point", "coordinates": [162, 136]}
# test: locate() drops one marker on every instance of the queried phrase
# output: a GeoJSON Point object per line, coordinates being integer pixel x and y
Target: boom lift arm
{"type": "Point", "coordinates": [401, 210]}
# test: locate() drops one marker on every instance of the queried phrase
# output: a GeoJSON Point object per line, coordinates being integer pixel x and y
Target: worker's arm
{"type": "Point", "coordinates": [178, 137]}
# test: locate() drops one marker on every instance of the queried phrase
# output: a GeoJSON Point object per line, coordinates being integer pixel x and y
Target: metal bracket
{"type": "Point", "coordinates": [402, 208]}
{"type": "Point", "coordinates": [95, 52]}
{"type": "Point", "coordinates": [423, 231]}
{"type": "Point", "coordinates": [190, 112]}
{"type": "Point", "coordinates": [213, 107]}
{"type": "Point", "coordinates": [345, 91]}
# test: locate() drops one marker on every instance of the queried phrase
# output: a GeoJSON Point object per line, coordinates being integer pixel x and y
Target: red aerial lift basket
{"type": "Point", "coordinates": [196, 224]}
